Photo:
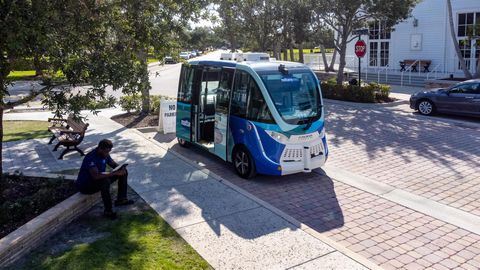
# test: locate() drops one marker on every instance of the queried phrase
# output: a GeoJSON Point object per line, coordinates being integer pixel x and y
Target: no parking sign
{"type": "Point", "coordinates": [168, 116]}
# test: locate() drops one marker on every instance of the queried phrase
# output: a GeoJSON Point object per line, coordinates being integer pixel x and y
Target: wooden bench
{"type": "Point", "coordinates": [69, 133]}
{"type": "Point", "coordinates": [414, 63]}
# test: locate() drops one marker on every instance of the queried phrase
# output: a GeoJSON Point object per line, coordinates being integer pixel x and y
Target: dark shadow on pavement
{"type": "Point", "coordinates": [309, 198]}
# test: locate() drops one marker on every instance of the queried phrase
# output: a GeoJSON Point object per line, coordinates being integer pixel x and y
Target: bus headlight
{"type": "Point", "coordinates": [279, 137]}
{"type": "Point", "coordinates": [322, 133]}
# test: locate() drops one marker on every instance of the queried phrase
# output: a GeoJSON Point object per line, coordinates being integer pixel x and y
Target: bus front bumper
{"type": "Point", "coordinates": [303, 158]}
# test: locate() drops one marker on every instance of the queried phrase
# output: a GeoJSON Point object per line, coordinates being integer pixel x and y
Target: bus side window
{"type": "Point", "coordinates": [185, 93]}
{"type": "Point", "coordinates": [223, 92]}
{"type": "Point", "coordinates": [257, 109]}
{"type": "Point", "coordinates": [239, 97]}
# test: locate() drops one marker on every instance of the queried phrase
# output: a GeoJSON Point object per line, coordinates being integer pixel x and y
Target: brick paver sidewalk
{"type": "Point", "coordinates": [386, 146]}
{"type": "Point", "coordinates": [430, 158]}
{"type": "Point", "coordinates": [229, 228]}
{"type": "Point", "coordinates": [388, 234]}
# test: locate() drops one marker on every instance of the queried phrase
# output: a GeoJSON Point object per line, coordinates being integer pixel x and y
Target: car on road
{"type": "Point", "coordinates": [185, 55]}
{"type": "Point", "coordinates": [462, 98]}
{"type": "Point", "coordinates": [168, 60]}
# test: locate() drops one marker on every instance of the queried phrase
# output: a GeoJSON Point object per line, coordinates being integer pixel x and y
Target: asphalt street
{"type": "Point", "coordinates": [163, 79]}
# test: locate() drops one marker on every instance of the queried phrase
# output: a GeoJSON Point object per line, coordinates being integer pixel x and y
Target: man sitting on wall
{"type": "Point", "coordinates": [93, 177]}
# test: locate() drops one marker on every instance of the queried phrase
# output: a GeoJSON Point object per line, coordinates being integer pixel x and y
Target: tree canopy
{"type": "Point", "coordinates": [94, 44]}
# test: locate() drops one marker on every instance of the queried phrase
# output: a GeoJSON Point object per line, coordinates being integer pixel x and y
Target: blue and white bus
{"type": "Point", "coordinates": [263, 116]}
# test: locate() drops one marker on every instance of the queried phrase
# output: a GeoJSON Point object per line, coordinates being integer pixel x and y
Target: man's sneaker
{"type": "Point", "coordinates": [123, 202]}
{"type": "Point", "coordinates": [110, 214]}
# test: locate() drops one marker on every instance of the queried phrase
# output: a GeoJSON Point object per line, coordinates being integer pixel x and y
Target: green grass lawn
{"type": "Point", "coordinates": [152, 60]}
{"type": "Point", "coordinates": [24, 130]}
{"type": "Point", "coordinates": [22, 75]}
{"type": "Point", "coordinates": [135, 241]}
{"type": "Point", "coordinates": [26, 75]}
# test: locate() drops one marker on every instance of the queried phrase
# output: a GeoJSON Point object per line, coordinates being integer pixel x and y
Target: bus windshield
{"type": "Point", "coordinates": [295, 95]}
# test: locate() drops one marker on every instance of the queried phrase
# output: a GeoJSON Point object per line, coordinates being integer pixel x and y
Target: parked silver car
{"type": "Point", "coordinates": [185, 55]}
{"type": "Point", "coordinates": [462, 98]}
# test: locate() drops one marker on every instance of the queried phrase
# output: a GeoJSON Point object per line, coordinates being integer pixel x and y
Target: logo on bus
{"type": "Point", "coordinates": [185, 123]}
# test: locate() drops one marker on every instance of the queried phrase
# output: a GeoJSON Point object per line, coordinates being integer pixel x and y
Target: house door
{"type": "Point", "coordinates": [379, 52]}
{"type": "Point", "coordinates": [379, 44]}
{"type": "Point", "coordinates": [468, 28]}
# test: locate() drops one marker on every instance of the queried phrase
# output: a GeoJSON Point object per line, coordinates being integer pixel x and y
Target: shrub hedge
{"type": "Point", "coordinates": [367, 93]}
{"type": "Point", "coordinates": [133, 103]}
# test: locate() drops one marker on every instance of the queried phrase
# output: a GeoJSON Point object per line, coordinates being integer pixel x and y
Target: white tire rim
{"type": "Point", "coordinates": [425, 107]}
{"type": "Point", "coordinates": [241, 162]}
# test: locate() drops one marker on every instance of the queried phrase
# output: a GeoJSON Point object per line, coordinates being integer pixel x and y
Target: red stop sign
{"type": "Point", "coordinates": [360, 48]}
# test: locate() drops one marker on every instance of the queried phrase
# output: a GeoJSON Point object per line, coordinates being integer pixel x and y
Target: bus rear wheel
{"type": "Point", "coordinates": [244, 163]}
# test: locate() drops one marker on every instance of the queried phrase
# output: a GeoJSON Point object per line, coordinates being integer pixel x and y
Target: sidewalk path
{"type": "Point", "coordinates": [229, 228]}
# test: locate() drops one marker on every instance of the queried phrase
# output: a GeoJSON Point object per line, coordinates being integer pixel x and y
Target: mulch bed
{"type": "Point", "coordinates": [136, 120]}
{"type": "Point", "coordinates": [23, 198]}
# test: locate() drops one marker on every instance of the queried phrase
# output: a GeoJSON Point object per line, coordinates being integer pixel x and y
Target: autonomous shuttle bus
{"type": "Point", "coordinates": [263, 116]}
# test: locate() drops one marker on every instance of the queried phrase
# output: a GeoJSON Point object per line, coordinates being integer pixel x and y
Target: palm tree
{"type": "Point", "coordinates": [463, 65]}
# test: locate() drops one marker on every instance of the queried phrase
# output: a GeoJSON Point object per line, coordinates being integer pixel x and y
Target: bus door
{"type": "Point", "coordinates": [188, 86]}
{"type": "Point", "coordinates": [222, 112]}
{"type": "Point", "coordinates": [204, 107]}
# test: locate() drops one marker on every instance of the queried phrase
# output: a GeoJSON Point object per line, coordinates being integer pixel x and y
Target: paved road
{"type": "Point", "coordinates": [163, 79]}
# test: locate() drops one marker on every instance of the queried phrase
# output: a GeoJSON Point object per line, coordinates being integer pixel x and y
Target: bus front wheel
{"type": "Point", "coordinates": [182, 142]}
{"type": "Point", "coordinates": [244, 163]}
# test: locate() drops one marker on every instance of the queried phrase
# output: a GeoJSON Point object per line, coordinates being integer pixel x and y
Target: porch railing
{"type": "Point", "coordinates": [386, 70]}
{"type": "Point", "coordinates": [409, 68]}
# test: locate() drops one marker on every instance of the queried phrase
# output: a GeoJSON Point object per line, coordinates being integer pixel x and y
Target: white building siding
{"type": "Point", "coordinates": [433, 27]}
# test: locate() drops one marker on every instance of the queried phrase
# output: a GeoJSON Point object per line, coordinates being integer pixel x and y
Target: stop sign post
{"type": "Point", "coordinates": [360, 51]}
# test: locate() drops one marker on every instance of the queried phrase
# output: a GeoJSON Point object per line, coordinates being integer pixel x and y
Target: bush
{"type": "Point", "coordinates": [23, 198]}
{"type": "Point", "coordinates": [23, 64]}
{"type": "Point", "coordinates": [155, 104]}
{"type": "Point", "coordinates": [133, 103]}
{"type": "Point", "coordinates": [101, 104]}
{"type": "Point", "coordinates": [369, 93]}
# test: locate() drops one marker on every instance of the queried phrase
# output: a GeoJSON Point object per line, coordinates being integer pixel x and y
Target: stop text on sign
{"type": "Point", "coordinates": [360, 48]}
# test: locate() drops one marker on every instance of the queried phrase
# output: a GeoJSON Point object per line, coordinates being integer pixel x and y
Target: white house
{"type": "Point", "coordinates": [424, 36]}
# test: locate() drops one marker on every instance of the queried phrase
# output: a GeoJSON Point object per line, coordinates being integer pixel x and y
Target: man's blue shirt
{"type": "Point", "coordinates": [92, 160]}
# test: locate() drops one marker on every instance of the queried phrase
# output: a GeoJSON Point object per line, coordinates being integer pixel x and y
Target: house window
{"type": "Point", "coordinates": [379, 44]}
{"type": "Point", "coordinates": [467, 22]}
{"type": "Point", "coordinates": [468, 27]}
{"type": "Point", "coordinates": [373, 53]}
{"type": "Point", "coordinates": [378, 30]}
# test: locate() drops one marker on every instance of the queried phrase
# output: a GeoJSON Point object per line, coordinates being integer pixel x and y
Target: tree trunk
{"type": "Point", "coordinates": [477, 73]}
{"type": "Point", "coordinates": [144, 84]}
{"type": "Point", "coordinates": [300, 52]}
{"type": "Point", "coordinates": [276, 50]}
{"type": "Point", "coordinates": [1, 142]}
{"type": "Point", "coordinates": [332, 64]}
{"type": "Point", "coordinates": [463, 65]}
{"type": "Point", "coordinates": [285, 54]}
{"type": "Point", "coordinates": [324, 56]}
{"type": "Point", "coordinates": [38, 65]}
{"type": "Point", "coordinates": [292, 54]}
{"type": "Point", "coordinates": [233, 41]}
{"type": "Point", "coordinates": [342, 52]}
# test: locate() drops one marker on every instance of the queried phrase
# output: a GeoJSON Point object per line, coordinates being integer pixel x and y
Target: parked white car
{"type": "Point", "coordinates": [185, 55]}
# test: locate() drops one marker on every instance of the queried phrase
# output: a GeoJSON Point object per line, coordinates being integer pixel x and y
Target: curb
{"type": "Point", "coordinates": [36, 231]}
{"type": "Point", "coordinates": [369, 105]}
{"type": "Point", "coordinates": [339, 247]}
{"type": "Point", "coordinates": [154, 64]}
